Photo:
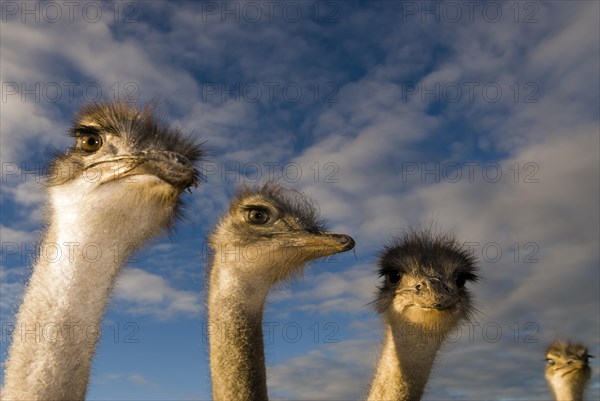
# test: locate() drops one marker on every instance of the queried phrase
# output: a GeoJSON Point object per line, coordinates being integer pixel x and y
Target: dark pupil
{"type": "Point", "coordinates": [258, 216]}
{"type": "Point", "coordinates": [92, 142]}
{"type": "Point", "coordinates": [393, 278]}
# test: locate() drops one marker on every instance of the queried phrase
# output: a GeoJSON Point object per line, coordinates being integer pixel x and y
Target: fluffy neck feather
{"type": "Point", "coordinates": [565, 389]}
{"type": "Point", "coordinates": [235, 310]}
{"type": "Point", "coordinates": [58, 324]}
{"type": "Point", "coordinates": [405, 362]}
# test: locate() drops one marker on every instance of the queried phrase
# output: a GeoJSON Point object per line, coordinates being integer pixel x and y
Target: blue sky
{"type": "Point", "coordinates": [482, 116]}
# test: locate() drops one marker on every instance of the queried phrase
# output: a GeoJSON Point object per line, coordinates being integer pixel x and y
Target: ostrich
{"type": "Point", "coordinates": [423, 297]}
{"type": "Point", "coordinates": [267, 236]}
{"type": "Point", "coordinates": [117, 187]}
{"type": "Point", "coordinates": [567, 370]}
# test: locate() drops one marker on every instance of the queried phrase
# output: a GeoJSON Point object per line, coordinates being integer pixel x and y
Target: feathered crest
{"type": "Point", "coordinates": [289, 201]}
{"type": "Point", "coordinates": [424, 251]}
{"type": "Point", "coordinates": [569, 349]}
{"type": "Point", "coordinates": [141, 126]}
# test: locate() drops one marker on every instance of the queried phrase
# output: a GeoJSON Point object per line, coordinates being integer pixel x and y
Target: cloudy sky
{"type": "Point", "coordinates": [481, 116]}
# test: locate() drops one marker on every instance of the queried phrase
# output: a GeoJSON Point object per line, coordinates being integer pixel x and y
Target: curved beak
{"type": "Point", "coordinates": [170, 167]}
{"type": "Point", "coordinates": [436, 295]}
{"type": "Point", "coordinates": [345, 242]}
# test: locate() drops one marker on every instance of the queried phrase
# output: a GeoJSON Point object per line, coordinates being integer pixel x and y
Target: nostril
{"type": "Point", "coordinates": [345, 240]}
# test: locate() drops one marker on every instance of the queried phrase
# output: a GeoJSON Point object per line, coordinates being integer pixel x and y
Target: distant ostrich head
{"type": "Point", "coordinates": [124, 161]}
{"type": "Point", "coordinates": [424, 276]}
{"type": "Point", "coordinates": [567, 366]}
{"type": "Point", "coordinates": [273, 232]}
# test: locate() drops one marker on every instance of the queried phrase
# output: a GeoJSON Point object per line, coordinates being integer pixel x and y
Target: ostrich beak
{"type": "Point", "coordinates": [345, 242]}
{"type": "Point", "coordinates": [321, 244]}
{"type": "Point", "coordinates": [435, 294]}
{"type": "Point", "coordinates": [171, 167]}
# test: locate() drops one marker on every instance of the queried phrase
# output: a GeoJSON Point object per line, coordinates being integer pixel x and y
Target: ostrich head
{"type": "Point", "coordinates": [125, 166]}
{"type": "Point", "coordinates": [270, 232]}
{"type": "Point", "coordinates": [424, 282]}
{"type": "Point", "coordinates": [567, 364]}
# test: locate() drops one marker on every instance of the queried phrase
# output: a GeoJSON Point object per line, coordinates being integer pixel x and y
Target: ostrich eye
{"type": "Point", "coordinates": [89, 142]}
{"type": "Point", "coordinates": [550, 361]}
{"type": "Point", "coordinates": [258, 216]}
{"type": "Point", "coordinates": [392, 277]}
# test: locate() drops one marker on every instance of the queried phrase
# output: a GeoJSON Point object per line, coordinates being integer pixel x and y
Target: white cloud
{"type": "Point", "coordinates": [327, 293]}
{"type": "Point", "coordinates": [136, 379]}
{"type": "Point", "coordinates": [368, 134]}
{"type": "Point", "coordinates": [16, 236]}
{"type": "Point", "coordinates": [139, 380]}
{"type": "Point", "coordinates": [333, 372]}
{"type": "Point", "coordinates": [140, 292]}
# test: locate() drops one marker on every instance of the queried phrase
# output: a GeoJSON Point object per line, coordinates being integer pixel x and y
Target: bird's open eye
{"type": "Point", "coordinates": [89, 142]}
{"type": "Point", "coordinates": [550, 361]}
{"type": "Point", "coordinates": [258, 216]}
{"type": "Point", "coordinates": [392, 277]}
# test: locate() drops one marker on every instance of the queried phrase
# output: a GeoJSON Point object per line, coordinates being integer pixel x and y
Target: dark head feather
{"type": "Point", "coordinates": [288, 201]}
{"type": "Point", "coordinates": [424, 253]}
{"type": "Point", "coordinates": [569, 349]}
{"type": "Point", "coordinates": [139, 127]}
{"type": "Point", "coordinates": [427, 253]}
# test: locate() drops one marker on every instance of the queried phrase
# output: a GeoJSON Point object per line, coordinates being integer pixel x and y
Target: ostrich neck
{"type": "Point", "coordinates": [404, 365]}
{"type": "Point", "coordinates": [58, 323]}
{"type": "Point", "coordinates": [567, 391]}
{"type": "Point", "coordinates": [235, 310]}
